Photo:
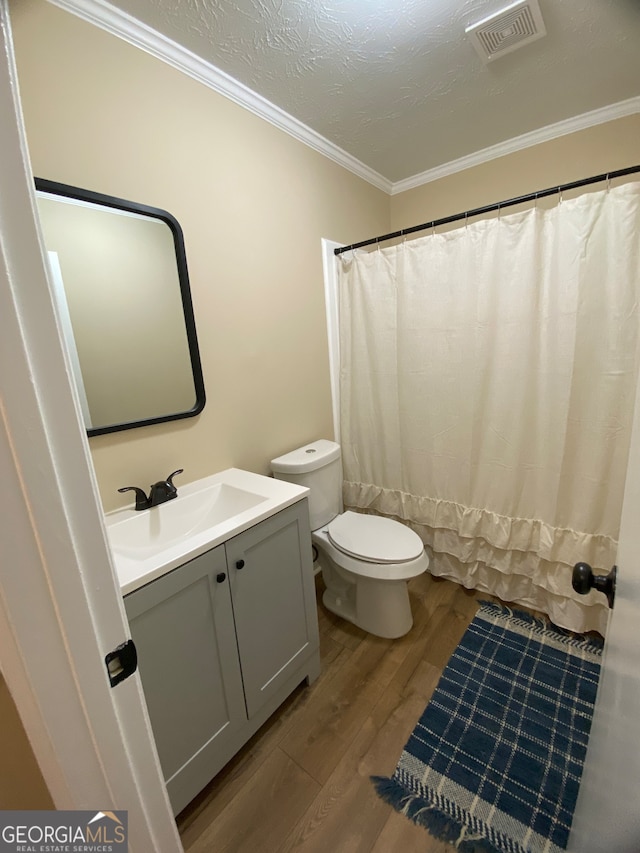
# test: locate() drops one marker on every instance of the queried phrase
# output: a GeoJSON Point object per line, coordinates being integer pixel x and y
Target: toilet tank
{"type": "Point", "coordinates": [318, 467]}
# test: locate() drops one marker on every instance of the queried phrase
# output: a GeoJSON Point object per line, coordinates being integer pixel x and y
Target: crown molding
{"type": "Point", "coordinates": [518, 143]}
{"type": "Point", "coordinates": [122, 25]}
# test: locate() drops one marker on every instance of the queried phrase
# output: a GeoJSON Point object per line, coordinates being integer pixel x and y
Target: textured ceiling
{"type": "Point", "coordinates": [396, 83]}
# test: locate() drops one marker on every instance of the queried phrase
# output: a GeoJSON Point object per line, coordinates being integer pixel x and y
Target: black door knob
{"type": "Point", "coordinates": [240, 564]}
{"type": "Point", "coordinates": [583, 579]}
{"type": "Point", "coordinates": [221, 577]}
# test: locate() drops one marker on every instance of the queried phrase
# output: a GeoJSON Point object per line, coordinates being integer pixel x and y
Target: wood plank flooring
{"type": "Point", "coordinates": [302, 782]}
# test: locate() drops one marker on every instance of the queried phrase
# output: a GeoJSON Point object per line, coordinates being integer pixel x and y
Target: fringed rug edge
{"type": "Point", "coordinates": [543, 626]}
{"type": "Point", "coordinates": [441, 826]}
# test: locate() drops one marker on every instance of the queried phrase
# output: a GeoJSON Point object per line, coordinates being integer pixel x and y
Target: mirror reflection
{"type": "Point", "coordinates": [122, 291]}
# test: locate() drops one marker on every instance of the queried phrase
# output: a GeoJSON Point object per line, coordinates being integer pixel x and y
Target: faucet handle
{"type": "Point", "coordinates": [142, 501]}
{"type": "Point", "coordinates": [171, 476]}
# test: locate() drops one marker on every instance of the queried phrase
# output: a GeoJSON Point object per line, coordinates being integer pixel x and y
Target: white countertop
{"type": "Point", "coordinates": [186, 518]}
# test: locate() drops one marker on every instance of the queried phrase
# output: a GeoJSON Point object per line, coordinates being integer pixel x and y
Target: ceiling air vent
{"type": "Point", "coordinates": [507, 30]}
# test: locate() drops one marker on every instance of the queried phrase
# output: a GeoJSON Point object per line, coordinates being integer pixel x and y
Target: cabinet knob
{"type": "Point", "coordinates": [221, 577]}
{"type": "Point", "coordinates": [239, 564]}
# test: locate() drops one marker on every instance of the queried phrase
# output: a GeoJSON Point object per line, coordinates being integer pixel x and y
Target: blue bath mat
{"type": "Point", "coordinates": [494, 763]}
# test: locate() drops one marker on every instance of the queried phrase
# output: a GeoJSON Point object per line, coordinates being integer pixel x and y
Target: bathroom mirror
{"type": "Point", "coordinates": [121, 285]}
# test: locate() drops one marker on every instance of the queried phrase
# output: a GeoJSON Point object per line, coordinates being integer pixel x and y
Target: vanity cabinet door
{"type": "Point", "coordinates": [182, 625]}
{"type": "Point", "coordinates": [272, 589]}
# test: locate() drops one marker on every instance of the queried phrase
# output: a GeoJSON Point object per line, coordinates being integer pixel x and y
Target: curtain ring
{"type": "Point", "coordinates": [608, 182]}
{"type": "Point", "coordinates": [559, 195]}
{"type": "Point", "coordinates": [466, 220]}
{"type": "Point", "coordinates": [535, 202]}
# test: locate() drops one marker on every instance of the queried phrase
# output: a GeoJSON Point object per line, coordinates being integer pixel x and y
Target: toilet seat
{"type": "Point", "coordinates": [374, 539]}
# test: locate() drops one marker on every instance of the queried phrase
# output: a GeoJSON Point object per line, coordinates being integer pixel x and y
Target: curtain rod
{"type": "Point", "coordinates": [490, 207]}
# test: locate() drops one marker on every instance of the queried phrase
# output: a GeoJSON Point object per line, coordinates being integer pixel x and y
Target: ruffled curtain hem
{"type": "Point", "coordinates": [525, 561]}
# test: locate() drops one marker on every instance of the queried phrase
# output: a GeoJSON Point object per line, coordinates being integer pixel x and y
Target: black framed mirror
{"type": "Point", "coordinates": [121, 285]}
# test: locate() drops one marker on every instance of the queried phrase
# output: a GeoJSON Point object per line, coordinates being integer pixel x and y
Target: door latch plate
{"type": "Point", "coordinates": [121, 662]}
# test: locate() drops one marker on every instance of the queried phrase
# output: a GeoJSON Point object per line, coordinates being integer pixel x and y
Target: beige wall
{"type": "Point", "coordinates": [594, 151]}
{"type": "Point", "coordinates": [253, 204]}
{"type": "Point", "coordinates": [21, 782]}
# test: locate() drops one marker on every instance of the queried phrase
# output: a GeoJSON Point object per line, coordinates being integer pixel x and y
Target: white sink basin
{"type": "Point", "coordinates": [154, 530]}
{"type": "Point", "coordinates": [151, 542]}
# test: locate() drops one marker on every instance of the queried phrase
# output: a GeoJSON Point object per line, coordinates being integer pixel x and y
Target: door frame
{"type": "Point", "coordinates": [60, 606]}
{"type": "Point", "coordinates": [332, 306]}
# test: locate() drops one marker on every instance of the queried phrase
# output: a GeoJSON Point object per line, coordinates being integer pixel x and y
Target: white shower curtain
{"type": "Point", "coordinates": [487, 386]}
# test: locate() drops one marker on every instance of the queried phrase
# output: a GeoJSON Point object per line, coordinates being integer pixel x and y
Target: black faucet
{"type": "Point", "coordinates": [162, 491]}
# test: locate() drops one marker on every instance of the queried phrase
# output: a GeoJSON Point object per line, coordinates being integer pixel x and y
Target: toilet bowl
{"type": "Point", "coordinates": [366, 560]}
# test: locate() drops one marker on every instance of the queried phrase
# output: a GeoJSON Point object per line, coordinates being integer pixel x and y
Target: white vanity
{"type": "Point", "coordinates": [219, 593]}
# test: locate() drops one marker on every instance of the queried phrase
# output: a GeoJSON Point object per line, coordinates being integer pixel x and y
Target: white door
{"type": "Point", "coordinates": [607, 816]}
{"type": "Point", "coordinates": [60, 609]}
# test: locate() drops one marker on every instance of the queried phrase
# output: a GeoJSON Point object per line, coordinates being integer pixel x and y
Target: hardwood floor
{"type": "Point", "coordinates": [302, 783]}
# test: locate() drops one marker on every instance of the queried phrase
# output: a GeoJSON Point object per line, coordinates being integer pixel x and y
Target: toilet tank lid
{"type": "Point", "coordinates": [307, 458]}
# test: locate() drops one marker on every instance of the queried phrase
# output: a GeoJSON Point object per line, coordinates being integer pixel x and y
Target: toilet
{"type": "Point", "coordinates": [366, 560]}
